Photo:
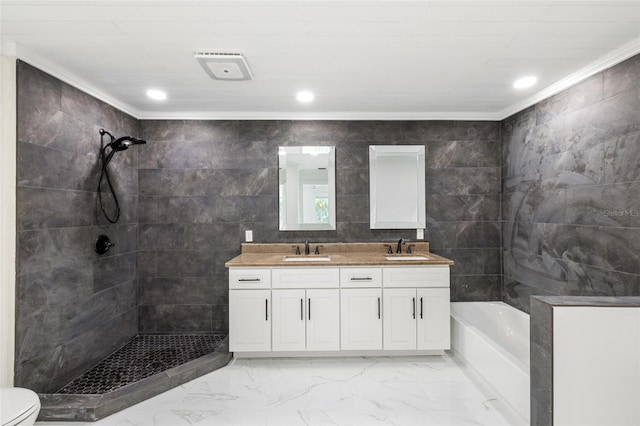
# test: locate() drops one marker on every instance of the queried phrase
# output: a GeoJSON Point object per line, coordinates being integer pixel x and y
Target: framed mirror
{"type": "Point", "coordinates": [397, 186]}
{"type": "Point", "coordinates": [307, 188]}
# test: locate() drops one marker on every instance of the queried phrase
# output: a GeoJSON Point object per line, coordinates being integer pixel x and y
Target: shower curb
{"type": "Point", "coordinates": [89, 408]}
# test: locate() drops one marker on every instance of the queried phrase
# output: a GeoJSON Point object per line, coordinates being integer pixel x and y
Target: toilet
{"type": "Point", "coordinates": [18, 406]}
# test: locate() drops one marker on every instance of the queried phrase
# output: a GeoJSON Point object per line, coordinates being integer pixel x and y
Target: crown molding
{"type": "Point", "coordinates": [622, 53]}
{"type": "Point", "coordinates": [61, 73]}
{"type": "Point", "coordinates": [336, 115]}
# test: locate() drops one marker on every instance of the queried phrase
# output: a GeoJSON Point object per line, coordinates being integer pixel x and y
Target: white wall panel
{"type": "Point", "coordinates": [596, 366]}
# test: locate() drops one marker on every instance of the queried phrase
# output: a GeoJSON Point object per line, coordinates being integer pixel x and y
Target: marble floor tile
{"type": "Point", "coordinates": [358, 391]}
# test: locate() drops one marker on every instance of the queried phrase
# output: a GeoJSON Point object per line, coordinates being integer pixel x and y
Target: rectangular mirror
{"type": "Point", "coordinates": [397, 186]}
{"type": "Point", "coordinates": [307, 188]}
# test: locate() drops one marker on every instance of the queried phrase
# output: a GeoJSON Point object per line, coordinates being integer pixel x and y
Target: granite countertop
{"type": "Point", "coordinates": [340, 254]}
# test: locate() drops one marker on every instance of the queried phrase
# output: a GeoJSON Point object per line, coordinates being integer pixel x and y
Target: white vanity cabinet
{"type": "Point", "coordinates": [400, 318]}
{"type": "Point", "coordinates": [306, 320]}
{"type": "Point", "coordinates": [416, 308]}
{"type": "Point", "coordinates": [323, 320]}
{"type": "Point", "coordinates": [361, 308]}
{"type": "Point", "coordinates": [289, 323]}
{"type": "Point", "coordinates": [361, 318]}
{"type": "Point", "coordinates": [434, 323]}
{"type": "Point", "coordinates": [306, 309]}
{"type": "Point", "coordinates": [289, 311]}
{"type": "Point", "coordinates": [250, 309]}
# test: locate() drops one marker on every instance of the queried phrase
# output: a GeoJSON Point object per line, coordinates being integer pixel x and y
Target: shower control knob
{"type": "Point", "coordinates": [103, 244]}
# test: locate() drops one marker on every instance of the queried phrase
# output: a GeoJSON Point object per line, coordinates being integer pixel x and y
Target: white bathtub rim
{"type": "Point", "coordinates": [523, 364]}
{"type": "Point", "coordinates": [517, 322]}
{"type": "Point", "coordinates": [507, 354]}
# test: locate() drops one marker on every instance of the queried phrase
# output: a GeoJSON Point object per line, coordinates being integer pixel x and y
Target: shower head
{"type": "Point", "coordinates": [120, 144]}
{"type": "Point", "coordinates": [125, 142]}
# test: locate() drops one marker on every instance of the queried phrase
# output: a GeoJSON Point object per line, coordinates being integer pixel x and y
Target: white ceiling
{"type": "Point", "coordinates": [362, 59]}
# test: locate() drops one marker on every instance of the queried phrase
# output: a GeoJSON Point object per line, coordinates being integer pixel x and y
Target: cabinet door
{"type": "Point", "coordinates": [249, 320]}
{"type": "Point", "coordinates": [399, 324]}
{"type": "Point", "coordinates": [288, 320]}
{"type": "Point", "coordinates": [433, 318]}
{"type": "Point", "coordinates": [361, 318]}
{"type": "Point", "coordinates": [323, 320]}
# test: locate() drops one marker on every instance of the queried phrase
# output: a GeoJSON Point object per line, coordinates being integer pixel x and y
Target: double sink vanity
{"type": "Point", "coordinates": [347, 298]}
{"type": "Point", "coordinates": [353, 299]}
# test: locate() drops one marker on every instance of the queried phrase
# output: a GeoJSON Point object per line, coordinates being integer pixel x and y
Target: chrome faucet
{"type": "Point", "coordinates": [306, 247]}
{"type": "Point", "coordinates": [399, 247]}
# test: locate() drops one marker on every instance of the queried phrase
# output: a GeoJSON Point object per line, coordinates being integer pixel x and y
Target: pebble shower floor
{"type": "Point", "coordinates": [143, 356]}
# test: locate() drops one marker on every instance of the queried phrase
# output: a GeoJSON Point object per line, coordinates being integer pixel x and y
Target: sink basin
{"type": "Point", "coordinates": [307, 258]}
{"type": "Point", "coordinates": [409, 258]}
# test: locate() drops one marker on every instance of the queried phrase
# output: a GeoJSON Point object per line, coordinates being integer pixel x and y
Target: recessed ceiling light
{"type": "Point", "coordinates": [524, 82]}
{"type": "Point", "coordinates": [305, 96]}
{"type": "Point", "coordinates": [157, 95]}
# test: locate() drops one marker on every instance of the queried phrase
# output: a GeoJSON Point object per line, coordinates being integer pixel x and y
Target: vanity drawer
{"type": "Point", "coordinates": [416, 276]}
{"type": "Point", "coordinates": [360, 277]}
{"type": "Point", "coordinates": [305, 277]}
{"type": "Point", "coordinates": [249, 278]}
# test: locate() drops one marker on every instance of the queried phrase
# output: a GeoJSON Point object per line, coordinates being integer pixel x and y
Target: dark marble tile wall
{"type": "Point", "coordinates": [571, 191]}
{"type": "Point", "coordinates": [203, 183]}
{"type": "Point", "coordinates": [73, 306]}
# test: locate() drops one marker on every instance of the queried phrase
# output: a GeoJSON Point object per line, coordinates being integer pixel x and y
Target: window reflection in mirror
{"type": "Point", "coordinates": [307, 194]}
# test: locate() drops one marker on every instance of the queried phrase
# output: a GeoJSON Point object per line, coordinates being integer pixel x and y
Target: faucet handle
{"type": "Point", "coordinates": [317, 251]}
{"type": "Point", "coordinates": [389, 249]}
{"type": "Point", "coordinates": [409, 248]}
{"type": "Point", "coordinates": [297, 249]}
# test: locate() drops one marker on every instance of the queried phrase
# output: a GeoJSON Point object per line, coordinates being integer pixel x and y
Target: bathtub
{"type": "Point", "coordinates": [493, 338]}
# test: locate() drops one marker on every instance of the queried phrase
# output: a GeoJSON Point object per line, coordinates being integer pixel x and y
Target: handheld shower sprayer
{"type": "Point", "coordinates": [120, 144]}
{"type": "Point", "coordinates": [115, 145]}
{"type": "Point", "coordinates": [123, 143]}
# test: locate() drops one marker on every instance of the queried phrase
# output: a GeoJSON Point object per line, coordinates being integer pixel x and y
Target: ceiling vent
{"type": "Point", "coordinates": [224, 66]}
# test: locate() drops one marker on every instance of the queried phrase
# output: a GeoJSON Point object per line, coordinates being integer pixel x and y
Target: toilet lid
{"type": "Point", "coordinates": [15, 403]}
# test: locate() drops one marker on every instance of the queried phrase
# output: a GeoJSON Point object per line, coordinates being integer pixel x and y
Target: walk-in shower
{"type": "Point", "coordinates": [147, 364]}
{"type": "Point", "coordinates": [83, 341]}
{"type": "Point", "coordinates": [106, 155]}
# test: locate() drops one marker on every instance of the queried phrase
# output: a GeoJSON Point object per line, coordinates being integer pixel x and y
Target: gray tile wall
{"type": "Point", "coordinates": [203, 183]}
{"type": "Point", "coordinates": [73, 306]}
{"type": "Point", "coordinates": [187, 197]}
{"type": "Point", "coordinates": [571, 191]}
